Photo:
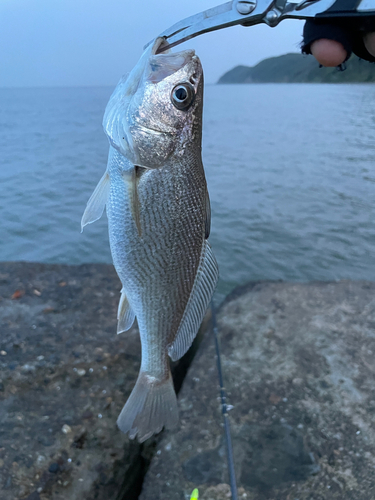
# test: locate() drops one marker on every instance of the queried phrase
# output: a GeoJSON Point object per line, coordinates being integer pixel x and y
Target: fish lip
{"type": "Point", "coordinates": [159, 41]}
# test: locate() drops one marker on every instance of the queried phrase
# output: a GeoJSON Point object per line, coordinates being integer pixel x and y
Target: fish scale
{"type": "Point", "coordinates": [157, 205]}
{"type": "Point", "coordinates": [166, 278]}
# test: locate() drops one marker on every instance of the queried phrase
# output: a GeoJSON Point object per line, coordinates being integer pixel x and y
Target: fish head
{"type": "Point", "coordinates": [157, 111]}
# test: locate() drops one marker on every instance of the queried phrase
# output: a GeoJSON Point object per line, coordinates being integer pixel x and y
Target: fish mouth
{"type": "Point", "coordinates": [165, 64]}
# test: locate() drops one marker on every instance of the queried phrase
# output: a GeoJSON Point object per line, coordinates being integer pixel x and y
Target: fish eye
{"type": "Point", "coordinates": [183, 96]}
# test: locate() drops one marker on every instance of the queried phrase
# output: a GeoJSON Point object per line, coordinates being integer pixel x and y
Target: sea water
{"type": "Point", "coordinates": [290, 171]}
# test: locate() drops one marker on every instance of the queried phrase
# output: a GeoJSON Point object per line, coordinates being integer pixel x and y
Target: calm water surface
{"type": "Point", "coordinates": [290, 170]}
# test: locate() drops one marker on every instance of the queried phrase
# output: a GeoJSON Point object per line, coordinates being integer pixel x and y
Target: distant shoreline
{"type": "Point", "coordinates": [298, 68]}
{"type": "Point", "coordinates": [293, 83]}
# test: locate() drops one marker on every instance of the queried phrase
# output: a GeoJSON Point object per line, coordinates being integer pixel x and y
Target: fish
{"type": "Point", "coordinates": [155, 194]}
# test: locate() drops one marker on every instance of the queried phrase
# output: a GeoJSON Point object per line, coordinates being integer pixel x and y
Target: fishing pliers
{"type": "Point", "coordinates": [358, 14]}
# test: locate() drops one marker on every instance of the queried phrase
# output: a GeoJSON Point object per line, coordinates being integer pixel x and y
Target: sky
{"type": "Point", "coordinates": [94, 42]}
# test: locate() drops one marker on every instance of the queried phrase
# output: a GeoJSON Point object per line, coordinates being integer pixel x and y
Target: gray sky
{"type": "Point", "coordinates": [94, 42]}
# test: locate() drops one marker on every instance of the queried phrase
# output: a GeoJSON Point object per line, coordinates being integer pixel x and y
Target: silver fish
{"type": "Point", "coordinates": [158, 209]}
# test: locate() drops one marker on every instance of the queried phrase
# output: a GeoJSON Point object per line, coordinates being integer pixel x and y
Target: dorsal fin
{"type": "Point", "coordinates": [201, 294]}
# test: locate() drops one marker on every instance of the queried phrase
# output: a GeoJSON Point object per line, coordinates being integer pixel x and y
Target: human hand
{"type": "Point", "coordinates": [331, 45]}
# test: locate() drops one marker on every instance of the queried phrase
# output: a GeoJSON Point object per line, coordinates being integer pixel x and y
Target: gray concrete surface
{"type": "Point", "coordinates": [299, 370]}
{"type": "Point", "coordinates": [64, 376]}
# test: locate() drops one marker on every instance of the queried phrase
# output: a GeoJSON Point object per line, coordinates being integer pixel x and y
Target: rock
{"type": "Point", "coordinates": [66, 429]}
{"type": "Point", "coordinates": [64, 377]}
{"type": "Point", "coordinates": [54, 467]}
{"type": "Point", "coordinates": [46, 388]}
{"type": "Point", "coordinates": [33, 496]}
{"type": "Point", "coordinates": [299, 370]}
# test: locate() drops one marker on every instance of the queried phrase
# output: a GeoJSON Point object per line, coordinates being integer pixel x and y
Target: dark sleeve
{"type": "Point", "coordinates": [351, 40]}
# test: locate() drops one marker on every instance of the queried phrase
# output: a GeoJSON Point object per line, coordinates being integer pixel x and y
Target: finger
{"type": "Point", "coordinates": [369, 41]}
{"type": "Point", "coordinates": [329, 52]}
{"type": "Point", "coordinates": [329, 43]}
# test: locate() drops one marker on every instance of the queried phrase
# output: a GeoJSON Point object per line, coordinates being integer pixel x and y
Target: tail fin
{"type": "Point", "coordinates": [151, 406]}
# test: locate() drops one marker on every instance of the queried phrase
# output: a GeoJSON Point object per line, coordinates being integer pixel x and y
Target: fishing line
{"type": "Point", "coordinates": [224, 408]}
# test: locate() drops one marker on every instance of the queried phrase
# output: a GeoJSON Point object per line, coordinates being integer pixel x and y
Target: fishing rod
{"type": "Point", "coordinates": [224, 408]}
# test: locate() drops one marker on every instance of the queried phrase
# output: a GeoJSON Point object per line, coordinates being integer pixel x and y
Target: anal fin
{"type": "Point", "coordinates": [125, 314]}
{"type": "Point", "coordinates": [200, 297]}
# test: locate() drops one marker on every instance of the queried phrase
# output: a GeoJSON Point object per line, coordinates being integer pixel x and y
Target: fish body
{"type": "Point", "coordinates": [158, 212]}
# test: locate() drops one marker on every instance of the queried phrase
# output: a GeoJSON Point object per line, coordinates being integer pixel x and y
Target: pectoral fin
{"type": "Point", "coordinates": [98, 199]}
{"type": "Point", "coordinates": [125, 314]}
{"type": "Point", "coordinates": [201, 294]}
